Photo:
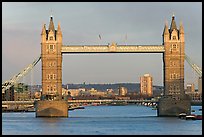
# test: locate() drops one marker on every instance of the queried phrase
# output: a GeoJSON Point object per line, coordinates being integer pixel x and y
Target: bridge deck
{"type": "Point", "coordinates": [113, 48]}
{"type": "Point", "coordinates": [92, 101]}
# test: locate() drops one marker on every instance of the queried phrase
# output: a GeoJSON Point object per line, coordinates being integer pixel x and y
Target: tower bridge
{"type": "Point", "coordinates": [172, 48]}
{"type": "Point", "coordinates": [174, 100]}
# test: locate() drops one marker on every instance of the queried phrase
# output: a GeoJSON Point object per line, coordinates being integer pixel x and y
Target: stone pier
{"type": "Point", "coordinates": [51, 108]}
{"type": "Point", "coordinates": [172, 106]}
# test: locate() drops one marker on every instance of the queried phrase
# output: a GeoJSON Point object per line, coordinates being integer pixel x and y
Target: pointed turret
{"type": "Point", "coordinates": [166, 33]}
{"type": "Point", "coordinates": [43, 29]}
{"type": "Point", "coordinates": [59, 29]}
{"type": "Point", "coordinates": [59, 34]}
{"type": "Point", "coordinates": [181, 32]}
{"type": "Point", "coordinates": [166, 30]}
{"type": "Point", "coordinates": [173, 24]}
{"type": "Point", "coordinates": [181, 29]}
{"type": "Point", "coordinates": [43, 34]}
{"type": "Point", "coordinates": [51, 25]}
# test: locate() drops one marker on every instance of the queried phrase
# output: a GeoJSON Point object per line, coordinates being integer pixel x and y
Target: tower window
{"type": "Point", "coordinates": [174, 47]}
{"type": "Point", "coordinates": [51, 37]}
{"type": "Point", "coordinates": [174, 37]}
{"type": "Point", "coordinates": [48, 88]}
{"type": "Point", "coordinates": [172, 63]}
{"type": "Point", "coordinates": [51, 47]}
{"type": "Point", "coordinates": [54, 88]}
{"type": "Point", "coordinates": [54, 76]}
{"type": "Point", "coordinates": [174, 76]}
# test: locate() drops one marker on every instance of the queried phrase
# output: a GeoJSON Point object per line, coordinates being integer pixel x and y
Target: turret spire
{"type": "Point", "coordinates": [166, 30]}
{"type": "Point", "coordinates": [43, 29]}
{"type": "Point", "coordinates": [51, 25]}
{"type": "Point", "coordinates": [59, 29]}
{"type": "Point", "coordinates": [173, 24]}
{"type": "Point", "coordinates": [181, 29]}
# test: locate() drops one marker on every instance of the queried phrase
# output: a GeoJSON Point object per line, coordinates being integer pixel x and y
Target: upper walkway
{"type": "Point", "coordinates": [112, 48]}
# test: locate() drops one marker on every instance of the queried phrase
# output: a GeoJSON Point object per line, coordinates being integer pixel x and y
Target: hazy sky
{"type": "Point", "coordinates": [82, 22]}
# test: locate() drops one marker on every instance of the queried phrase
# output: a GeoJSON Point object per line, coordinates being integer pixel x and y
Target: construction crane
{"type": "Point", "coordinates": [8, 84]}
{"type": "Point", "coordinates": [194, 66]}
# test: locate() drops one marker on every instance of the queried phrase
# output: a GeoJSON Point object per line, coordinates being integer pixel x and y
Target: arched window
{"type": "Point", "coordinates": [51, 47]}
{"type": "Point", "coordinates": [51, 37]}
{"type": "Point", "coordinates": [54, 88]}
{"type": "Point", "coordinates": [172, 63]}
{"type": "Point", "coordinates": [54, 76]}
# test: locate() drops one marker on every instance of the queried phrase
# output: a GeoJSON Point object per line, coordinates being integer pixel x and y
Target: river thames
{"type": "Point", "coordinates": [101, 120]}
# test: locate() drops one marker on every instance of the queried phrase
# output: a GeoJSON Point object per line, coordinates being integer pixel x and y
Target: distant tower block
{"type": "Point", "coordinates": [122, 91]}
{"type": "Point", "coordinates": [51, 103]}
{"type": "Point", "coordinates": [146, 85]}
{"type": "Point", "coordinates": [190, 88]}
{"type": "Point", "coordinates": [174, 101]}
{"type": "Point", "coordinates": [200, 85]}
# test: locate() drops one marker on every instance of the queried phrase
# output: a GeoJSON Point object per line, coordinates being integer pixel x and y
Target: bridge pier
{"type": "Point", "coordinates": [172, 106]}
{"type": "Point", "coordinates": [51, 108]}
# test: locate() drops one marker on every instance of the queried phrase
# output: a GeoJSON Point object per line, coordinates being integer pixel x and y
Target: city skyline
{"type": "Point", "coordinates": [98, 23]}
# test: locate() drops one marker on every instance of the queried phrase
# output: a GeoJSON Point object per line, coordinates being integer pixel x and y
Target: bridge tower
{"type": "Point", "coordinates": [51, 103]}
{"type": "Point", "coordinates": [51, 43]}
{"type": "Point", "coordinates": [175, 100]}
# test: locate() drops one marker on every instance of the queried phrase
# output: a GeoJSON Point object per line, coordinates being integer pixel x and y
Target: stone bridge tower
{"type": "Point", "coordinates": [175, 100]}
{"type": "Point", "coordinates": [51, 43]}
{"type": "Point", "coordinates": [51, 103]}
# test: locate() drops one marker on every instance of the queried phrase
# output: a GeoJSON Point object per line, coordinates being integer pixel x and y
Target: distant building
{"type": "Point", "coordinates": [190, 88]}
{"type": "Point", "coordinates": [200, 85]}
{"type": "Point", "coordinates": [122, 91]}
{"type": "Point", "coordinates": [93, 91]}
{"type": "Point", "coordinates": [21, 87]}
{"type": "Point", "coordinates": [64, 91]}
{"type": "Point", "coordinates": [110, 93]}
{"type": "Point", "coordinates": [146, 85]}
{"type": "Point", "coordinates": [74, 92]}
{"type": "Point", "coordinates": [8, 95]}
{"type": "Point", "coordinates": [82, 89]}
{"type": "Point", "coordinates": [122, 98]}
{"type": "Point", "coordinates": [101, 93]}
{"type": "Point", "coordinates": [22, 96]}
{"type": "Point", "coordinates": [37, 95]}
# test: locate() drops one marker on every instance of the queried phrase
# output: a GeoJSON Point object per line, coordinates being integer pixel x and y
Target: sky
{"type": "Point", "coordinates": [83, 22]}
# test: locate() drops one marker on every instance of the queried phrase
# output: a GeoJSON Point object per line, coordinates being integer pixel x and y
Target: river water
{"type": "Point", "coordinates": [101, 120]}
